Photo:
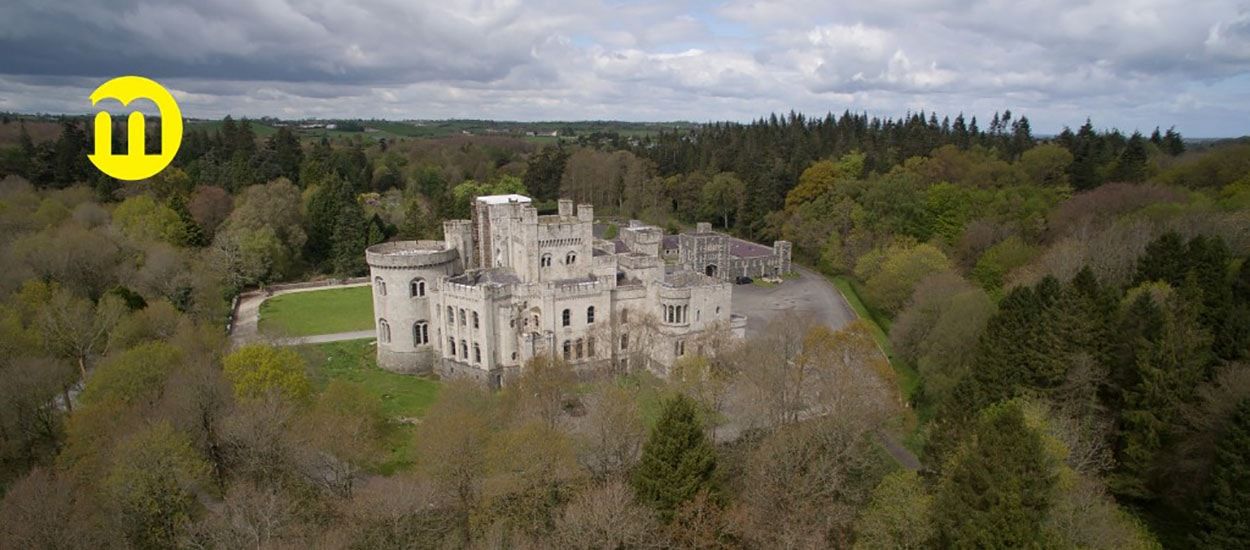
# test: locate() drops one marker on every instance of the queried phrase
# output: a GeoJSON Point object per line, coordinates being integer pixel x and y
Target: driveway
{"type": "Point", "coordinates": [810, 293]}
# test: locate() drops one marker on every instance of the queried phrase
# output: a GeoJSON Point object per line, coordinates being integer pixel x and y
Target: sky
{"type": "Point", "coordinates": [1128, 64]}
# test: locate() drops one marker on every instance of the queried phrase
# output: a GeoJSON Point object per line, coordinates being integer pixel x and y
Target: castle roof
{"type": "Point", "coordinates": [503, 199]}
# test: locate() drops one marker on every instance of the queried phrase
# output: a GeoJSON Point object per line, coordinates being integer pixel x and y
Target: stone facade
{"type": "Point", "coordinates": [727, 258]}
{"type": "Point", "coordinates": [509, 285]}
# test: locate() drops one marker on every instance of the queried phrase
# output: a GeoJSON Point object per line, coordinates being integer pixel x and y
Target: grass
{"type": "Point", "coordinates": [404, 397]}
{"type": "Point", "coordinates": [318, 312]}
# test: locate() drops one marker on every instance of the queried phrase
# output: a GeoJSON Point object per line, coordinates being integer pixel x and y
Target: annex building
{"type": "Point", "coordinates": [509, 285]}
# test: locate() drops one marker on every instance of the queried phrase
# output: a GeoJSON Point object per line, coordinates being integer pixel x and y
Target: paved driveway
{"type": "Point", "coordinates": [810, 293]}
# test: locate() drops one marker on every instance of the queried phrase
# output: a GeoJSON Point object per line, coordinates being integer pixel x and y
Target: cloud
{"type": "Point", "coordinates": [1131, 64]}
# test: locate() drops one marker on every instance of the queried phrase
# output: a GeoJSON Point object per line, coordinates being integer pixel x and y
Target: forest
{"type": "Point", "coordinates": [1065, 323]}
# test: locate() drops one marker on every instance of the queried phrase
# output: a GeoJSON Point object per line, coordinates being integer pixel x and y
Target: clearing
{"type": "Point", "coordinates": [318, 312]}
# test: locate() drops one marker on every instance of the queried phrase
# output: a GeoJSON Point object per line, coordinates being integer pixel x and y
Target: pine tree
{"type": "Point", "coordinates": [1131, 166]}
{"type": "Point", "coordinates": [195, 233]}
{"type": "Point", "coordinates": [1224, 522]}
{"type": "Point", "coordinates": [1164, 260]}
{"type": "Point", "coordinates": [677, 460]}
{"type": "Point", "coordinates": [1000, 485]}
{"type": "Point", "coordinates": [351, 237]}
{"type": "Point", "coordinates": [1172, 142]}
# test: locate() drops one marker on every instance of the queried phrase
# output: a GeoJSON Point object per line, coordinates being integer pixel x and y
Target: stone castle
{"type": "Point", "coordinates": [509, 285]}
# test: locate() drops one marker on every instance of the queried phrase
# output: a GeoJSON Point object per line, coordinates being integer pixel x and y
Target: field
{"type": "Point", "coordinates": [404, 397]}
{"type": "Point", "coordinates": [318, 312]}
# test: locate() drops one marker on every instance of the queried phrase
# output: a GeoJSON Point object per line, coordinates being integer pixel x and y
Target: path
{"type": "Point", "coordinates": [246, 329]}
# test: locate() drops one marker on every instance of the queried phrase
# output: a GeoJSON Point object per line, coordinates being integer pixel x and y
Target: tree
{"type": "Point", "coordinates": [606, 516]}
{"type": "Point", "coordinates": [1224, 521]}
{"type": "Point", "coordinates": [891, 274]}
{"type": "Point", "coordinates": [43, 510]}
{"type": "Point", "coordinates": [677, 460]}
{"type": "Point", "coordinates": [999, 486]}
{"type": "Point", "coordinates": [141, 217]}
{"type": "Point", "coordinates": [257, 370]}
{"type": "Point", "coordinates": [613, 432]}
{"type": "Point", "coordinates": [451, 444]}
{"type": "Point", "coordinates": [136, 376]}
{"type": "Point", "coordinates": [900, 515]}
{"type": "Point", "coordinates": [209, 207]}
{"type": "Point", "coordinates": [544, 171]}
{"type": "Point", "coordinates": [153, 484]}
{"type": "Point", "coordinates": [1131, 166]}
{"type": "Point", "coordinates": [77, 330]}
{"type": "Point", "coordinates": [724, 194]}
{"type": "Point", "coordinates": [530, 467]}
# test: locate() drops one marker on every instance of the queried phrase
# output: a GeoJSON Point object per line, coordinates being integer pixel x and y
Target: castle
{"type": "Point", "coordinates": [509, 285]}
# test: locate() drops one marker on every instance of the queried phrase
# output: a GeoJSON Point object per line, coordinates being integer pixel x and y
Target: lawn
{"type": "Point", "coordinates": [318, 312]}
{"type": "Point", "coordinates": [404, 397]}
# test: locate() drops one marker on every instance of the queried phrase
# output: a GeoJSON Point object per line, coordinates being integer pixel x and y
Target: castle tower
{"type": "Point", "coordinates": [404, 275]}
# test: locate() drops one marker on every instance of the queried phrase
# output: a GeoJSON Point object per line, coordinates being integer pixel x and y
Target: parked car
{"type": "Point", "coordinates": [743, 280]}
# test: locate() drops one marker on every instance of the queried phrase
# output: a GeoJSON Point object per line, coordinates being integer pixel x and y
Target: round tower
{"type": "Point", "coordinates": [404, 275]}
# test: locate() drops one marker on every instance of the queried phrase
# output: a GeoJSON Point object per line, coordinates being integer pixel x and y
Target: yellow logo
{"type": "Point", "coordinates": [135, 165]}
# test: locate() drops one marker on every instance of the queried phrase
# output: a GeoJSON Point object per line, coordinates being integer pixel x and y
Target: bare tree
{"type": "Point", "coordinates": [606, 516]}
{"type": "Point", "coordinates": [611, 434]}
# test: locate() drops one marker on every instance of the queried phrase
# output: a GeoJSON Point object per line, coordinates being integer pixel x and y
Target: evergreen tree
{"type": "Point", "coordinates": [351, 237]}
{"type": "Point", "coordinates": [1164, 260]}
{"type": "Point", "coordinates": [1131, 166]}
{"type": "Point", "coordinates": [1172, 142]}
{"type": "Point", "coordinates": [999, 487]}
{"type": "Point", "coordinates": [1224, 521]}
{"type": "Point", "coordinates": [323, 213]}
{"type": "Point", "coordinates": [677, 460]}
{"type": "Point", "coordinates": [194, 233]}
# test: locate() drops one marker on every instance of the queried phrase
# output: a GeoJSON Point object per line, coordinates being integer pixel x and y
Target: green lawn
{"type": "Point", "coordinates": [318, 312]}
{"type": "Point", "coordinates": [403, 396]}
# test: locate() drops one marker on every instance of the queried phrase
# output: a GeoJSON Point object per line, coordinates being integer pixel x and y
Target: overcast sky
{"type": "Point", "coordinates": [1131, 64]}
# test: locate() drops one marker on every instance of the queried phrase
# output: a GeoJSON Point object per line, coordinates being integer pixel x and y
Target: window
{"type": "Point", "coordinates": [475, 323]}
{"type": "Point", "coordinates": [416, 288]}
{"type": "Point", "coordinates": [379, 286]}
{"type": "Point", "coordinates": [718, 312]}
{"type": "Point", "coordinates": [580, 348]}
{"type": "Point", "coordinates": [462, 317]}
{"type": "Point", "coordinates": [451, 316]}
{"type": "Point", "coordinates": [384, 331]}
{"type": "Point", "coordinates": [545, 261]}
{"type": "Point", "coordinates": [464, 350]}
{"type": "Point", "coordinates": [570, 258]}
{"type": "Point", "coordinates": [568, 350]}
{"type": "Point", "coordinates": [420, 333]}
{"type": "Point", "coordinates": [590, 347]}
{"type": "Point", "coordinates": [679, 348]}
{"type": "Point", "coordinates": [624, 341]}
{"type": "Point", "coordinates": [624, 316]}
{"type": "Point", "coordinates": [590, 315]}
{"type": "Point", "coordinates": [451, 346]}
{"type": "Point", "coordinates": [477, 354]}
{"type": "Point", "coordinates": [514, 356]}
{"type": "Point", "coordinates": [566, 318]}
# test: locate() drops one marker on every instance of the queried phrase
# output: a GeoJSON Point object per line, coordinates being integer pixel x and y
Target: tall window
{"type": "Point", "coordinates": [581, 347]}
{"type": "Point", "coordinates": [416, 288]}
{"type": "Point", "coordinates": [477, 353]}
{"type": "Point", "coordinates": [464, 350]}
{"type": "Point", "coordinates": [420, 333]}
{"type": "Point", "coordinates": [568, 350]}
{"type": "Point", "coordinates": [566, 318]}
{"type": "Point", "coordinates": [679, 348]}
{"type": "Point", "coordinates": [590, 315]}
{"type": "Point", "coordinates": [462, 317]}
{"type": "Point", "coordinates": [624, 315]}
{"type": "Point", "coordinates": [624, 341]}
{"type": "Point", "coordinates": [379, 286]}
{"type": "Point", "coordinates": [545, 261]}
{"type": "Point", "coordinates": [475, 321]}
{"type": "Point", "coordinates": [451, 346]}
{"type": "Point", "coordinates": [451, 316]}
{"type": "Point", "coordinates": [590, 346]}
{"type": "Point", "coordinates": [384, 331]}
{"type": "Point", "coordinates": [570, 258]}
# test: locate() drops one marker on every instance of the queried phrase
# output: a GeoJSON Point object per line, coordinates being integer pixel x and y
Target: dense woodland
{"type": "Point", "coordinates": [1067, 323]}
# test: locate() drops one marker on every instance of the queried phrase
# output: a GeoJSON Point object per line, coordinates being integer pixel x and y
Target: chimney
{"type": "Point", "coordinates": [566, 207]}
{"type": "Point", "coordinates": [586, 212]}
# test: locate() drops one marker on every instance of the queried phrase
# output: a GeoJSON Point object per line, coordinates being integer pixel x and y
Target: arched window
{"type": "Point", "coordinates": [416, 288]}
{"type": "Point", "coordinates": [568, 350]}
{"type": "Point", "coordinates": [379, 286]}
{"type": "Point", "coordinates": [420, 333]}
{"type": "Point", "coordinates": [475, 322]}
{"type": "Point", "coordinates": [384, 331]}
{"type": "Point", "coordinates": [451, 316]}
{"type": "Point", "coordinates": [566, 318]}
{"type": "Point", "coordinates": [590, 347]}
{"type": "Point", "coordinates": [590, 315]}
{"type": "Point", "coordinates": [477, 353]}
{"type": "Point", "coordinates": [462, 317]}
{"type": "Point", "coordinates": [451, 346]}
{"type": "Point", "coordinates": [581, 347]}
{"type": "Point", "coordinates": [545, 261]}
{"type": "Point", "coordinates": [570, 258]}
{"type": "Point", "coordinates": [464, 350]}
